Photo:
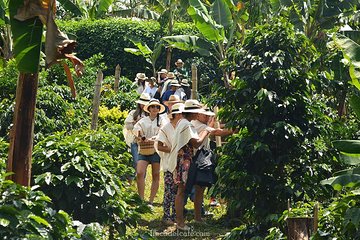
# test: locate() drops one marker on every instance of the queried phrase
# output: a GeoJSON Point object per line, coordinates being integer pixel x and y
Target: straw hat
{"type": "Point", "coordinates": [178, 62]}
{"type": "Point", "coordinates": [141, 76]}
{"type": "Point", "coordinates": [170, 75]}
{"type": "Point", "coordinates": [163, 71]}
{"type": "Point", "coordinates": [207, 111]}
{"type": "Point", "coordinates": [184, 82]}
{"type": "Point", "coordinates": [151, 79]}
{"type": "Point", "coordinates": [154, 102]}
{"type": "Point", "coordinates": [144, 99]}
{"type": "Point", "coordinates": [175, 83]}
{"type": "Point", "coordinates": [177, 108]}
{"type": "Point", "coordinates": [173, 99]}
{"type": "Point", "coordinates": [193, 106]}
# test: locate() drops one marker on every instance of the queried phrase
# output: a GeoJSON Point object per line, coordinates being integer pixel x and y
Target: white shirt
{"type": "Point", "coordinates": [199, 127]}
{"type": "Point", "coordinates": [151, 91]}
{"type": "Point", "coordinates": [148, 128]}
{"type": "Point", "coordinates": [166, 136]}
{"type": "Point", "coordinates": [129, 126]}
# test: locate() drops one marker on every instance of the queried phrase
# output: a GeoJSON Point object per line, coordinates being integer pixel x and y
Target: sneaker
{"type": "Point", "coordinates": [183, 228]}
{"type": "Point", "coordinates": [150, 205]}
{"type": "Point", "coordinates": [214, 203]}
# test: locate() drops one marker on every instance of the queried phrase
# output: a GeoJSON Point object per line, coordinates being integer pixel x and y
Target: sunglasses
{"type": "Point", "coordinates": [155, 106]}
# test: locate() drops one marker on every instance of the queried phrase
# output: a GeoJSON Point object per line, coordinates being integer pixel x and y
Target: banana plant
{"type": "Point", "coordinates": [92, 9]}
{"type": "Point", "coordinates": [27, 20]}
{"type": "Point", "coordinates": [143, 50]}
{"type": "Point", "coordinates": [220, 25]}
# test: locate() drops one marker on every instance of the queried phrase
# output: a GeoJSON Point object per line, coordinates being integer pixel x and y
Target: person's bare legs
{"type": "Point", "coordinates": [179, 205]}
{"type": "Point", "coordinates": [198, 200]}
{"type": "Point", "coordinates": [141, 167]}
{"type": "Point", "coordinates": [155, 167]}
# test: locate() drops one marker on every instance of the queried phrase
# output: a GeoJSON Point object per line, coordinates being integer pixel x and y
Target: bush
{"type": "Point", "coordinates": [84, 180]}
{"type": "Point", "coordinates": [282, 150]}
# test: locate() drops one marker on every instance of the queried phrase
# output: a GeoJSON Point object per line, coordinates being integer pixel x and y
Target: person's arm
{"type": "Point", "coordinates": [163, 148]}
{"type": "Point", "coordinates": [197, 142]}
{"type": "Point", "coordinates": [221, 132]}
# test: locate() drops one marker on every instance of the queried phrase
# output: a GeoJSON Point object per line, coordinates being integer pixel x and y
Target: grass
{"type": "Point", "coordinates": [214, 227]}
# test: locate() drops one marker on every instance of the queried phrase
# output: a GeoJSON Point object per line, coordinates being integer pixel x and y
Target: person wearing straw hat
{"type": "Point", "coordinates": [185, 88]}
{"type": "Point", "coordinates": [174, 87]}
{"type": "Point", "coordinates": [162, 76]}
{"type": "Point", "coordinates": [170, 76]}
{"type": "Point", "coordinates": [151, 88]}
{"type": "Point", "coordinates": [185, 139]}
{"type": "Point", "coordinates": [180, 71]}
{"type": "Point", "coordinates": [140, 82]}
{"type": "Point", "coordinates": [133, 117]}
{"type": "Point", "coordinates": [163, 146]}
{"type": "Point", "coordinates": [173, 99]}
{"type": "Point", "coordinates": [146, 130]}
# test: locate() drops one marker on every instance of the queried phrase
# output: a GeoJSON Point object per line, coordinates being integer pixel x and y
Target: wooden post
{"type": "Point", "coordinates": [96, 102]}
{"type": "Point", "coordinates": [117, 78]}
{"type": "Point", "coordinates": [22, 132]}
{"type": "Point", "coordinates": [194, 81]}
{"type": "Point", "coordinates": [300, 228]}
{"type": "Point", "coordinates": [316, 216]}
{"type": "Point", "coordinates": [217, 125]}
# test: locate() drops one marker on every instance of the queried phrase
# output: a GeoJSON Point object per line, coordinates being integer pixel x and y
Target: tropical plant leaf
{"type": "Point", "coordinates": [355, 104]}
{"type": "Point", "coordinates": [347, 146]}
{"type": "Point", "coordinates": [348, 180]}
{"type": "Point", "coordinates": [71, 7]}
{"type": "Point", "coordinates": [103, 7]}
{"type": "Point", "coordinates": [189, 43]}
{"type": "Point", "coordinates": [221, 13]}
{"type": "Point", "coordinates": [204, 22]}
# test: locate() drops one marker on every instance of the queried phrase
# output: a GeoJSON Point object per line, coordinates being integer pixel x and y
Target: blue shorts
{"type": "Point", "coordinates": [155, 158]}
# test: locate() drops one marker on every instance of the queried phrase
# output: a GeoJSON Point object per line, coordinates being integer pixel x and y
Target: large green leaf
{"type": "Point", "coordinates": [68, 5]}
{"type": "Point", "coordinates": [355, 104]}
{"type": "Point", "coordinates": [27, 40]}
{"type": "Point", "coordinates": [205, 23]}
{"type": "Point", "coordinates": [221, 13]}
{"type": "Point", "coordinates": [347, 146]}
{"type": "Point", "coordinates": [351, 52]}
{"type": "Point", "coordinates": [103, 7]}
{"type": "Point", "coordinates": [348, 180]}
{"type": "Point", "coordinates": [189, 43]}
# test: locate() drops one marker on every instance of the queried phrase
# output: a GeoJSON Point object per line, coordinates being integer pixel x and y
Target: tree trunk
{"type": "Point", "coordinates": [194, 82]}
{"type": "Point", "coordinates": [117, 78]}
{"type": "Point", "coordinates": [300, 228]}
{"type": "Point", "coordinates": [22, 132]}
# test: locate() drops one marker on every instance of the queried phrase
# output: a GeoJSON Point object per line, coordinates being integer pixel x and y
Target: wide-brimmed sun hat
{"type": "Point", "coordinates": [154, 102]}
{"type": "Point", "coordinates": [170, 75]}
{"type": "Point", "coordinates": [175, 83]}
{"type": "Point", "coordinates": [207, 111]}
{"type": "Point", "coordinates": [141, 76]}
{"type": "Point", "coordinates": [163, 71]}
{"type": "Point", "coordinates": [172, 100]}
{"type": "Point", "coordinates": [193, 106]}
{"type": "Point", "coordinates": [144, 99]}
{"type": "Point", "coordinates": [177, 108]}
{"type": "Point", "coordinates": [185, 83]}
{"type": "Point", "coordinates": [151, 79]}
{"type": "Point", "coordinates": [179, 61]}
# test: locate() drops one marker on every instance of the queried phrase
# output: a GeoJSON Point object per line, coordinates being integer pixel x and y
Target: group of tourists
{"type": "Point", "coordinates": [166, 133]}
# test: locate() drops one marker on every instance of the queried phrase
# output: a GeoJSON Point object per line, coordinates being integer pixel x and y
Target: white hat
{"type": "Point", "coordinates": [173, 99]}
{"type": "Point", "coordinates": [141, 76]}
{"type": "Point", "coordinates": [154, 102]}
{"type": "Point", "coordinates": [170, 75]}
{"type": "Point", "coordinates": [177, 108]}
{"type": "Point", "coordinates": [193, 106]}
{"type": "Point", "coordinates": [163, 71]}
{"type": "Point", "coordinates": [179, 61]}
{"type": "Point", "coordinates": [185, 82]}
{"type": "Point", "coordinates": [175, 83]}
{"type": "Point", "coordinates": [207, 111]}
{"type": "Point", "coordinates": [144, 99]}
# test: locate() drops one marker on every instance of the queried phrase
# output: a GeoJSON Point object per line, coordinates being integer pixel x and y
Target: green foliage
{"type": "Point", "coordinates": [8, 80]}
{"type": "Point", "coordinates": [280, 150]}
{"type": "Point", "coordinates": [27, 214]}
{"type": "Point", "coordinates": [110, 37]}
{"type": "Point", "coordinates": [4, 149]}
{"type": "Point", "coordinates": [84, 180]}
{"type": "Point", "coordinates": [111, 115]}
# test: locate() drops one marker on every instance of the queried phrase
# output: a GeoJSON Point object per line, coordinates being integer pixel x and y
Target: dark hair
{"type": "Point", "coordinates": [137, 112]}
{"type": "Point", "coordinates": [158, 120]}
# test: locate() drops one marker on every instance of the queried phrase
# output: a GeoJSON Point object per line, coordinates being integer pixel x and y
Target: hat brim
{"type": "Point", "coordinates": [162, 107]}
{"type": "Point", "coordinates": [208, 113]}
{"type": "Point", "coordinates": [142, 102]}
{"type": "Point", "coordinates": [185, 85]}
{"type": "Point", "coordinates": [166, 103]}
{"type": "Point", "coordinates": [199, 110]}
{"type": "Point", "coordinates": [175, 85]}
